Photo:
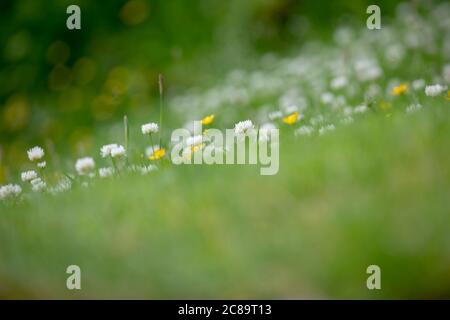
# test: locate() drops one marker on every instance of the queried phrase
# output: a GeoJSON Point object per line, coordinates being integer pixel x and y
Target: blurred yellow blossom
{"type": "Point", "coordinates": [207, 120]}
{"type": "Point", "coordinates": [158, 154]}
{"type": "Point", "coordinates": [400, 89]}
{"type": "Point", "coordinates": [292, 118]}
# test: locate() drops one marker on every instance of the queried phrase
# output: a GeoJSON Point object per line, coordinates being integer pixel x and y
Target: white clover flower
{"type": "Point", "coordinates": [105, 151]}
{"type": "Point", "coordinates": [243, 126]}
{"type": "Point", "coordinates": [42, 164]}
{"type": "Point", "coordinates": [38, 184]}
{"type": "Point", "coordinates": [35, 153]}
{"type": "Point", "coordinates": [434, 90]}
{"type": "Point", "coordinates": [265, 131]}
{"type": "Point", "coordinates": [149, 128]}
{"type": "Point", "coordinates": [418, 84]}
{"type": "Point", "coordinates": [338, 82]}
{"type": "Point", "coordinates": [84, 165]}
{"type": "Point", "coordinates": [194, 141]}
{"type": "Point", "coordinates": [106, 172]}
{"type": "Point", "coordinates": [28, 175]}
{"type": "Point", "coordinates": [327, 98]}
{"type": "Point", "coordinates": [118, 151]}
{"type": "Point", "coordinates": [304, 131]}
{"type": "Point", "coordinates": [324, 129]}
{"type": "Point", "coordinates": [10, 191]}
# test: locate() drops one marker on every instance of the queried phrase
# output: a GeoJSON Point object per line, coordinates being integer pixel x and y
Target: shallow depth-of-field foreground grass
{"type": "Point", "coordinates": [373, 192]}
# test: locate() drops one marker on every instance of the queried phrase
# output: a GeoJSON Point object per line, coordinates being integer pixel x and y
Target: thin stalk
{"type": "Point", "coordinates": [127, 135]}
{"type": "Point", "coordinates": [161, 93]}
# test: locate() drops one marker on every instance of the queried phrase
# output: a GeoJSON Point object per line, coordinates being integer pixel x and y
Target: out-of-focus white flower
{"type": "Point", "coordinates": [327, 98]}
{"type": "Point", "coordinates": [10, 191]}
{"type": "Point", "coordinates": [275, 115]}
{"type": "Point", "coordinates": [339, 82]}
{"type": "Point", "coordinates": [413, 108]}
{"type": "Point", "coordinates": [35, 153]}
{"type": "Point", "coordinates": [38, 184]}
{"type": "Point", "coordinates": [118, 151]}
{"type": "Point", "coordinates": [85, 165]}
{"type": "Point", "coordinates": [106, 172]}
{"type": "Point", "coordinates": [304, 131]}
{"type": "Point", "coordinates": [434, 90]}
{"type": "Point", "coordinates": [42, 164]}
{"type": "Point", "coordinates": [418, 84]}
{"type": "Point", "coordinates": [348, 111]}
{"type": "Point", "coordinates": [194, 141]}
{"type": "Point", "coordinates": [265, 131]}
{"type": "Point", "coordinates": [149, 128]}
{"type": "Point", "coordinates": [360, 109]}
{"type": "Point", "coordinates": [243, 126]}
{"type": "Point", "coordinates": [28, 175]}
{"type": "Point", "coordinates": [324, 129]}
{"type": "Point", "coordinates": [105, 151]}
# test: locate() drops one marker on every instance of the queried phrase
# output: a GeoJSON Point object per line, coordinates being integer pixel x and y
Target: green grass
{"type": "Point", "coordinates": [374, 192]}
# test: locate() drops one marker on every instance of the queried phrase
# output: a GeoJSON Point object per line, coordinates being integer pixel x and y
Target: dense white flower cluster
{"type": "Point", "coordinates": [35, 153]}
{"type": "Point", "coordinates": [243, 126]}
{"type": "Point", "coordinates": [10, 191]}
{"type": "Point", "coordinates": [28, 175]}
{"type": "Point", "coordinates": [434, 90]}
{"type": "Point", "coordinates": [149, 128]}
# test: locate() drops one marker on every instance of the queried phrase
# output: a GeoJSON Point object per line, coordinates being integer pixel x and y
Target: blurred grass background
{"type": "Point", "coordinates": [375, 192]}
{"type": "Point", "coordinates": [59, 86]}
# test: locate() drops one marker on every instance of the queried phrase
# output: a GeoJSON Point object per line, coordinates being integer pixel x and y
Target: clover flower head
{"type": "Point", "coordinates": [118, 151]}
{"type": "Point", "coordinates": [434, 90]}
{"type": "Point", "coordinates": [38, 185]}
{"type": "Point", "coordinates": [84, 165]}
{"type": "Point", "coordinates": [105, 151]}
{"type": "Point", "coordinates": [243, 126]}
{"type": "Point", "coordinates": [35, 153]}
{"type": "Point", "coordinates": [149, 128]}
{"type": "Point", "coordinates": [10, 191]}
{"type": "Point", "coordinates": [195, 140]}
{"type": "Point", "coordinates": [28, 175]}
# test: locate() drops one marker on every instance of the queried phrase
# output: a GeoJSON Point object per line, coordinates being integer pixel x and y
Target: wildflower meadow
{"type": "Point", "coordinates": [210, 163]}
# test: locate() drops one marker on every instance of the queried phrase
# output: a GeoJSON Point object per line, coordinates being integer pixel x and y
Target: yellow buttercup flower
{"type": "Point", "coordinates": [158, 154]}
{"type": "Point", "coordinates": [291, 119]}
{"type": "Point", "coordinates": [400, 89]}
{"type": "Point", "coordinates": [207, 120]}
{"type": "Point", "coordinates": [448, 95]}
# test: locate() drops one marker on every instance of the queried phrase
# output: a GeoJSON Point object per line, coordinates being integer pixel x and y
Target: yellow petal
{"type": "Point", "coordinates": [400, 89]}
{"type": "Point", "coordinates": [207, 120]}
{"type": "Point", "coordinates": [291, 119]}
{"type": "Point", "coordinates": [158, 154]}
